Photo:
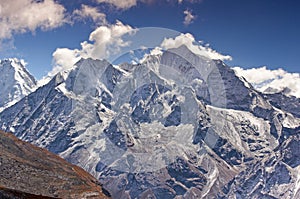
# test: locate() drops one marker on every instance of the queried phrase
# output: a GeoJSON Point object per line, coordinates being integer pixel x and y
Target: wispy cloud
{"type": "Point", "coordinates": [190, 1]}
{"type": "Point", "coordinates": [121, 4]}
{"type": "Point", "coordinates": [189, 17]}
{"type": "Point", "coordinates": [126, 4]}
{"type": "Point", "coordinates": [90, 12]}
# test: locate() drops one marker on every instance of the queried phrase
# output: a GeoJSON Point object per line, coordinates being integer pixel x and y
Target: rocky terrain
{"type": "Point", "coordinates": [14, 194]}
{"type": "Point", "coordinates": [31, 172]}
{"type": "Point", "coordinates": [177, 125]}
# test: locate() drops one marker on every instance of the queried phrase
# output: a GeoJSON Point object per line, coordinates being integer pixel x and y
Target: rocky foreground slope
{"type": "Point", "coordinates": [31, 172]}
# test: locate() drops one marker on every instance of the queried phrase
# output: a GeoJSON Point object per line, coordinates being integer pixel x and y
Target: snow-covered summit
{"type": "Point", "coordinates": [16, 82]}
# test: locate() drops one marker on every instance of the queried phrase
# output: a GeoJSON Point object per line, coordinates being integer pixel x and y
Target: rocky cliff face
{"type": "Point", "coordinates": [176, 125]}
{"type": "Point", "coordinates": [31, 172]}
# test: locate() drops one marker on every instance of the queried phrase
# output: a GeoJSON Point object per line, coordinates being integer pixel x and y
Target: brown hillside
{"type": "Point", "coordinates": [27, 169]}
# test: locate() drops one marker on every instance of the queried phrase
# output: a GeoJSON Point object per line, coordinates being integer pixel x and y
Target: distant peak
{"type": "Point", "coordinates": [90, 60]}
{"type": "Point", "coordinates": [16, 81]}
{"type": "Point", "coordinates": [17, 64]}
{"type": "Point", "coordinates": [185, 52]}
{"type": "Point", "coordinates": [183, 48]}
{"type": "Point", "coordinates": [13, 62]}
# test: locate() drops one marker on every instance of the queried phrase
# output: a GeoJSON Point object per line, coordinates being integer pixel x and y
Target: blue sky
{"type": "Point", "coordinates": [254, 33]}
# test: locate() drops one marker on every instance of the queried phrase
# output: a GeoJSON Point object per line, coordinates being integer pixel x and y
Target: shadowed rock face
{"type": "Point", "coordinates": [31, 172]}
{"type": "Point", "coordinates": [287, 103]}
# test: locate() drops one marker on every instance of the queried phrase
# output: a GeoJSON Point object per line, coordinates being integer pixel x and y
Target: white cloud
{"type": "Point", "coordinates": [189, 17]}
{"type": "Point", "coordinates": [126, 4]}
{"type": "Point", "coordinates": [121, 4]}
{"type": "Point", "coordinates": [22, 16]}
{"type": "Point", "coordinates": [189, 40]}
{"type": "Point", "coordinates": [90, 12]}
{"type": "Point", "coordinates": [106, 40]}
{"type": "Point", "coordinates": [263, 78]}
{"type": "Point", "coordinates": [64, 58]}
{"type": "Point", "coordinates": [156, 51]}
{"type": "Point", "coordinates": [103, 42]}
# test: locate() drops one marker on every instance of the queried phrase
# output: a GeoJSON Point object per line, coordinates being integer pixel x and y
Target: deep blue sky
{"type": "Point", "coordinates": [253, 32]}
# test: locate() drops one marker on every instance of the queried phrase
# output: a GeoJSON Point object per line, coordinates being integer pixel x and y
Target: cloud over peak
{"type": "Point", "coordinates": [189, 41]}
{"type": "Point", "coordinates": [277, 80]}
{"type": "Point", "coordinates": [104, 41]}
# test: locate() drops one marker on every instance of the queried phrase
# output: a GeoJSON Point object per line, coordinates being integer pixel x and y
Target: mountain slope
{"type": "Point", "coordinates": [33, 170]}
{"type": "Point", "coordinates": [177, 124]}
{"type": "Point", "coordinates": [14, 194]}
{"type": "Point", "coordinates": [16, 82]}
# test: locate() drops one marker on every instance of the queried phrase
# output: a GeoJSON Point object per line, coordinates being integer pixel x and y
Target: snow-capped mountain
{"type": "Point", "coordinates": [176, 125]}
{"type": "Point", "coordinates": [16, 82]}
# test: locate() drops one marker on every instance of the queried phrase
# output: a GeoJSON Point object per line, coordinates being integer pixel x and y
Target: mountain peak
{"type": "Point", "coordinates": [16, 82]}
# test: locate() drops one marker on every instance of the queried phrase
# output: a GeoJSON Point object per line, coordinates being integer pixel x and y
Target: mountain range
{"type": "Point", "coordinates": [177, 125]}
